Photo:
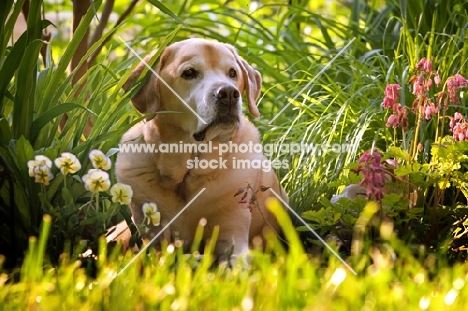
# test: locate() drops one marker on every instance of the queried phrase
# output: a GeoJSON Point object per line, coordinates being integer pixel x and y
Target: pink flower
{"type": "Point", "coordinates": [453, 84]}
{"type": "Point", "coordinates": [453, 123]}
{"type": "Point", "coordinates": [392, 93]}
{"type": "Point", "coordinates": [427, 66]}
{"type": "Point", "coordinates": [424, 65]}
{"type": "Point", "coordinates": [400, 119]}
{"type": "Point", "coordinates": [430, 110]}
{"type": "Point", "coordinates": [379, 178]}
{"type": "Point", "coordinates": [392, 121]}
{"type": "Point", "coordinates": [420, 64]}
{"type": "Point", "coordinates": [373, 173]}
{"type": "Point", "coordinates": [375, 164]}
{"type": "Point", "coordinates": [378, 194]}
{"type": "Point", "coordinates": [428, 84]}
{"type": "Point", "coordinates": [388, 102]}
{"type": "Point", "coordinates": [366, 156]}
{"type": "Point", "coordinates": [437, 79]}
{"type": "Point", "coordinates": [462, 82]}
{"type": "Point", "coordinates": [454, 127]}
{"type": "Point", "coordinates": [459, 127]}
{"type": "Point", "coordinates": [418, 85]}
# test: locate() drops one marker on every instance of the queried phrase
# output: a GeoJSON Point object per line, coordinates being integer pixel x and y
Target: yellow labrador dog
{"type": "Point", "coordinates": [197, 97]}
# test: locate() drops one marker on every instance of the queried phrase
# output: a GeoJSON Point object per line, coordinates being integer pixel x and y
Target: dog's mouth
{"type": "Point", "coordinates": [223, 129]}
{"type": "Point", "coordinates": [200, 136]}
{"type": "Point", "coordinates": [225, 120]}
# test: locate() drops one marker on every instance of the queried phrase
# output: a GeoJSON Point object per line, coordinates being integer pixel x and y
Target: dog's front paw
{"type": "Point", "coordinates": [233, 254]}
{"type": "Point", "coordinates": [235, 260]}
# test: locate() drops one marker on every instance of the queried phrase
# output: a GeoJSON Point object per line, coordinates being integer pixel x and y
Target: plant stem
{"type": "Point", "coordinates": [414, 145]}
{"type": "Point", "coordinates": [403, 140]}
{"type": "Point", "coordinates": [97, 202]}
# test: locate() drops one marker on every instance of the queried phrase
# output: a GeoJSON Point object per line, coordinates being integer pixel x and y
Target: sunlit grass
{"type": "Point", "coordinates": [273, 280]}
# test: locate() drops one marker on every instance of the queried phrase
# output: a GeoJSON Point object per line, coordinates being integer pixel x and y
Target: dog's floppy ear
{"type": "Point", "coordinates": [146, 100]}
{"type": "Point", "coordinates": [252, 82]}
{"type": "Point", "coordinates": [252, 85]}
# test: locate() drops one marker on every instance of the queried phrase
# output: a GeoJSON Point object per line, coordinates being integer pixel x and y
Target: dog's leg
{"type": "Point", "coordinates": [119, 233]}
{"type": "Point", "coordinates": [233, 239]}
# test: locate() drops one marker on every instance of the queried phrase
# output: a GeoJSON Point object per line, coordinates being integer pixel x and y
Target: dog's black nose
{"type": "Point", "coordinates": [227, 95]}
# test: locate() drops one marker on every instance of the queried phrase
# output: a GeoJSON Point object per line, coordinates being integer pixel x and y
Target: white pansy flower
{"type": "Point", "coordinates": [96, 180]}
{"type": "Point", "coordinates": [68, 163]}
{"type": "Point", "coordinates": [39, 160]}
{"type": "Point", "coordinates": [99, 160]}
{"type": "Point", "coordinates": [121, 193]}
{"type": "Point", "coordinates": [42, 174]}
{"type": "Point", "coordinates": [150, 210]}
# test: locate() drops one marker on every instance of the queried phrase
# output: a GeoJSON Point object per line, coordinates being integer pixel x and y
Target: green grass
{"type": "Point", "coordinates": [274, 280]}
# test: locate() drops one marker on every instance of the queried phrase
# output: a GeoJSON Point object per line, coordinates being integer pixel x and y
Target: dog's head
{"type": "Point", "coordinates": [203, 79]}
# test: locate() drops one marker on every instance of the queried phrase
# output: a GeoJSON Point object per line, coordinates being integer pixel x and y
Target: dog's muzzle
{"type": "Point", "coordinates": [227, 112]}
{"type": "Point", "coordinates": [227, 101]}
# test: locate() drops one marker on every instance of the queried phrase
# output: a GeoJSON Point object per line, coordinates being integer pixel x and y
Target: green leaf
{"type": "Point", "coordinates": [326, 202]}
{"type": "Point", "coordinates": [403, 170]}
{"type": "Point", "coordinates": [65, 59]}
{"type": "Point", "coordinates": [48, 208]}
{"type": "Point", "coordinates": [22, 207]}
{"type": "Point", "coordinates": [167, 11]}
{"type": "Point", "coordinates": [23, 108]}
{"type": "Point", "coordinates": [67, 196]}
{"type": "Point", "coordinates": [50, 114]}
{"type": "Point", "coordinates": [5, 33]}
{"type": "Point", "coordinates": [392, 200]}
{"type": "Point", "coordinates": [352, 166]}
{"type": "Point", "coordinates": [11, 64]}
{"type": "Point", "coordinates": [23, 153]}
{"type": "Point", "coordinates": [50, 152]}
{"type": "Point", "coordinates": [398, 153]}
{"type": "Point", "coordinates": [54, 186]}
{"type": "Point", "coordinates": [34, 22]}
{"type": "Point", "coordinates": [86, 146]}
{"type": "Point", "coordinates": [6, 132]}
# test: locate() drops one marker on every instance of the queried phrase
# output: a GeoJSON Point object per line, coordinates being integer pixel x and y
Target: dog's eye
{"type": "Point", "coordinates": [232, 73]}
{"type": "Point", "coordinates": [189, 74]}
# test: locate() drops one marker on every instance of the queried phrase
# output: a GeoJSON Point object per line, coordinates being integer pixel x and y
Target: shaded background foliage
{"type": "Point", "coordinates": [290, 42]}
